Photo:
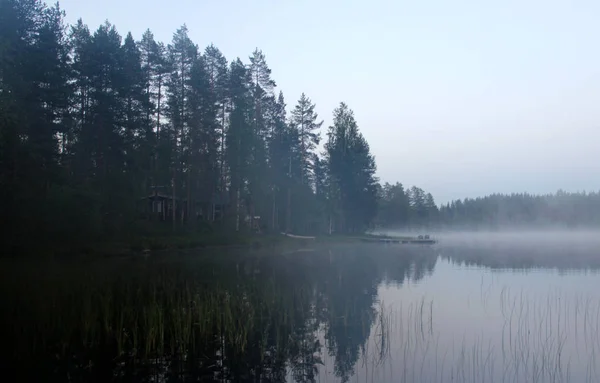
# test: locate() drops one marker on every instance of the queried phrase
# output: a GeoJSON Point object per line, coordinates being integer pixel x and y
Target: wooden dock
{"type": "Point", "coordinates": [421, 240]}
{"type": "Point", "coordinates": [403, 241]}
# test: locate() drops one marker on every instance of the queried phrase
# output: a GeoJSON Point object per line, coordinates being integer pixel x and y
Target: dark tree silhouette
{"type": "Point", "coordinates": [106, 138]}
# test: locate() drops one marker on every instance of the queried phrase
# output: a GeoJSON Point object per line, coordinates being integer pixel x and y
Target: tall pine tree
{"type": "Point", "coordinates": [218, 74]}
{"type": "Point", "coordinates": [353, 186]}
{"type": "Point", "coordinates": [182, 53]}
{"type": "Point", "coordinates": [239, 137]}
{"type": "Point", "coordinates": [305, 121]}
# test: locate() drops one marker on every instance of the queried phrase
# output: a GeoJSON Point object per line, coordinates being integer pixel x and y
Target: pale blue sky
{"type": "Point", "coordinates": [462, 98]}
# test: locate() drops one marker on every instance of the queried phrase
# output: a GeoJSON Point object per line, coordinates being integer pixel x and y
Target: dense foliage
{"type": "Point", "coordinates": [93, 124]}
{"type": "Point", "coordinates": [401, 208]}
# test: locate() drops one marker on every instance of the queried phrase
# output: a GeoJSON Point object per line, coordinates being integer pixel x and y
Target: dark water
{"type": "Point", "coordinates": [457, 312]}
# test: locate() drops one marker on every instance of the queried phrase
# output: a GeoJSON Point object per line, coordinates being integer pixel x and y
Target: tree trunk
{"type": "Point", "coordinates": [174, 204]}
{"type": "Point", "coordinates": [222, 162]}
{"type": "Point", "coordinates": [288, 216]}
{"type": "Point", "coordinates": [237, 210]}
{"type": "Point", "coordinates": [181, 128]}
{"type": "Point", "coordinates": [273, 213]}
{"type": "Point", "coordinates": [189, 199]}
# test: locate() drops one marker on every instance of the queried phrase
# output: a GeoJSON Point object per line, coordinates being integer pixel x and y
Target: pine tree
{"type": "Point", "coordinates": [182, 54]}
{"type": "Point", "coordinates": [353, 190]}
{"type": "Point", "coordinates": [81, 43]}
{"type": "Point", "coordinates": [418, 208]}
{"type": "Point", "coordinates": [203, 140]}
{"type": "Point", "coordinates": [155, 69]}
{"type": "Point", "coordinates": [280, 148]}
{"type": "Point", "coordinates": [239, 135]}
{"type": "Point", "coordinates": [304, 120]}
{"type": "Point", "coordinates": [218, 72]}
{"type": "Point", "coordinates": [138, 139]}
{"type": "Point", "coordinates": [321, 188]}
{"type": "Point", "coordinates": [104, 133]}
{"type": "Point", "coordinates": [34, 110]}
{"type": "Point", "coordinates": [52, 76]}
{"type": "Point", "coordinates": [394, 209]}
{"type": "Point", "coordinates": [432, 210]}
{"type": "Point", "coordinates": [262, 87]}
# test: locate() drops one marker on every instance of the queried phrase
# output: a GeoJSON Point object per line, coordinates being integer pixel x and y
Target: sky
{"type": "Point", "coordinates": [462, 98]}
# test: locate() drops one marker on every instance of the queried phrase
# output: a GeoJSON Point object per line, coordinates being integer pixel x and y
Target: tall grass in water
{"type": "Point", "coordinates": [115, 319]}
{"type": "Point", "coordinates": [108, 318]}
{"type": "Point", "coordinates": [551, 337]}
{"type": "Point", "coordinates": [241, 318]}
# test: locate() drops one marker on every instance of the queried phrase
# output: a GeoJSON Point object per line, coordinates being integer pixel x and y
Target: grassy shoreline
{"type": "Point", "coordinates": [182, 242]}
{"type": "Point", "coordinates": [177, 242]}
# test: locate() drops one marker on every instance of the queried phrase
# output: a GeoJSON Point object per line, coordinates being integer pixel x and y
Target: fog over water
{"type": "Point", "coordinates": [530, 248]}
{"type": "Point", "coordinates": [539, 237]}
{"type": "Point", "coordinates": [504, 307]}
{"type": "Point", "coordinates": [590, 237]}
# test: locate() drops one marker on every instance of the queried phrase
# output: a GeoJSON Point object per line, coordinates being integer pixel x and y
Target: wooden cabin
{"type": "Point", "coordinates": [160, 206]}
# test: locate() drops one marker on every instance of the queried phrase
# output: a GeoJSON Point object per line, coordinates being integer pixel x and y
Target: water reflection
{"type": "Point", "coordinates": [503, 327]}
{"type": "Point", "coordinates": [266, 317]}
{"type": "Point", "coordinates": [375, 313]}
{"type": "Point", "coordinates": [562, 251]}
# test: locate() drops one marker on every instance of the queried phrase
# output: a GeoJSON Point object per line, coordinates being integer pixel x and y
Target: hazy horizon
{"type": "Point", "coordinates": [463, 99]}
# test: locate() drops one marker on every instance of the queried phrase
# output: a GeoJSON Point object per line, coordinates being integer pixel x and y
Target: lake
{"type": "Point", "coordinates": [469, 309]}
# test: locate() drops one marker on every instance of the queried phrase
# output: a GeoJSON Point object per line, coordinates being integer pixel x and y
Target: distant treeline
{"type": "Point", "coordinates": [99, 134]}
{"type": "Point", "coordinates": [561, 209]}
{"type": "Point", "coordinates": [413, 208]}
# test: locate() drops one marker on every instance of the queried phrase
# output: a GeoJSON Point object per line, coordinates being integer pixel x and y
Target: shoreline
{"type": "Point", "coordinates": [146, 245]}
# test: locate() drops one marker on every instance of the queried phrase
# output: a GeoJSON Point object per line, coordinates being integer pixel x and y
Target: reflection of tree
{"type": "Point", "coordinates": [235, 319]}
{"type": "Point", "coordinates": [305, 350]}
{"type": "Point", "coordinates": [350, 293]}
{"type": "Point", "coordinates": [349, 289]}
{"type": "Point", "coordinates": [294, 296]}
{"type": "Point", "coordinates": [523, 255]}
{"type": "Point", "coordinates": [410, 263]}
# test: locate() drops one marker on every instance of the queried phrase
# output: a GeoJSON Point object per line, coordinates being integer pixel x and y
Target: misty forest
{"type": "Point", "coordinates": [169, 215]}
{"type": "Point", "coordinates": [105, 136]}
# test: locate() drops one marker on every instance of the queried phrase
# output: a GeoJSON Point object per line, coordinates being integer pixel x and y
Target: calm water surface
{"type": "Point", "coordinates": [472, 324]}
{"type": "Point", "coordinates": [371, 313]}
